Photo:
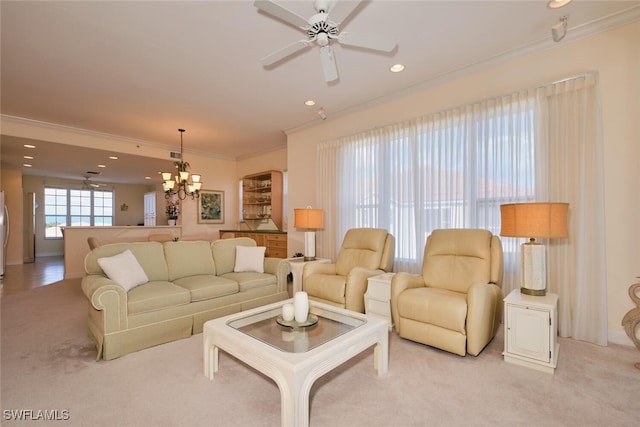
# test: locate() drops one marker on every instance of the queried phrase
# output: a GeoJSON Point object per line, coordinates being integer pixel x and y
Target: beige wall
{"type": "Point", "coordinates": [614, 54]}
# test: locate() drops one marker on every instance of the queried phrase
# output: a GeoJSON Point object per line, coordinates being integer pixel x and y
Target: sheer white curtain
{"type": "Point", "coordinates": [570, 140]}
{"type": "Point", "coordinates": [453, 169]}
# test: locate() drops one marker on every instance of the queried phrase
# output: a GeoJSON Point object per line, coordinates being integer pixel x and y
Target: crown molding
{"type": "Point", "coordinates": [23, 128]}
{"type": "Point", "coordinates": [606, 23]}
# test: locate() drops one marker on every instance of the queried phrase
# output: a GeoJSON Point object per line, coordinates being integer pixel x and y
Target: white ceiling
{"type": "Point", "coordinates": [143, 69]}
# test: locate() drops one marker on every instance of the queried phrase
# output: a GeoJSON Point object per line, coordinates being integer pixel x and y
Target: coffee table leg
{"type": "Point", "coordinates": [381, 353]}
{"type": "Point", "coordinates": [211, 354]}
{"type": "Point", "coordinates": [294, 398]}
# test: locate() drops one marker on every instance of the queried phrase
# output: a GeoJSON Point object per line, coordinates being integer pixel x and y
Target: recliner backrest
{"type": "Point", "coordinates": [455, 259]}
{"type": "Point", "coordinates": [365, 247]}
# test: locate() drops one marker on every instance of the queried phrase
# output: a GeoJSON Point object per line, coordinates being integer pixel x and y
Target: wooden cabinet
{"type": "Point", "coordinates": [262, 197]}
{"type": "Point", "coordinates": [275, 242]}
{"type": "Point", "coordinates": [276, 245]}
{"type": "Point", "coordinates": [531, 330]}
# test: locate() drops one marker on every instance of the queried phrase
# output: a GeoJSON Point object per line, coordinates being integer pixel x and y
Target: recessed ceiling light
{"type": "Point", "coordinates": [310, 103]}
{"type": "Point", "coordinates": [27, 165]}
{"type": "Point", "coordinates": [102, 166]}
{"type": "Point", "coordinates": [396, 68]}
{"type": "Point", "coordinates": [113, 157]}
{"type": "Point", "coordinates": [28, 157]}
{"type": "Point", "coordinates": [29, 146]}
{"type": "Point", "coordinates": [555, 4]}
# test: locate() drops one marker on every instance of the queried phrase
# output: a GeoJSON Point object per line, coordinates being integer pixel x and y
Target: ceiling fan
{"type": "Point", "coordinates": [321, 29]}
{"type": "Point", "coordinates": [87, 184]}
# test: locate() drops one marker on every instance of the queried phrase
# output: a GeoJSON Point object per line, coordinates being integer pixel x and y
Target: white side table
{"type": "Point", "coordinates": [377, 299]}
{"type": "Point", "coordinates": [530, 331]}
{"type": "Point", "coordinates": [297, 267]}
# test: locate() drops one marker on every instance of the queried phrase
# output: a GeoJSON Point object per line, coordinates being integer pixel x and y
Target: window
{"type": "Point", "coordinates": [447, 170]}
{"type": "Point", "coordinates": [73, 207]}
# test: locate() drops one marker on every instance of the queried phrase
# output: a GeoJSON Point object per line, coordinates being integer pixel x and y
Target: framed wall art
{"type": "Point", "coordinates": [211, 207]}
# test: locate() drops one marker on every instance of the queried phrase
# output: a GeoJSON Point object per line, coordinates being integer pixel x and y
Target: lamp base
{"type": "Point", "coordinates": [534, 292]}
{"type": "Point", "coordinates": [533, 280]}
{"type": "Point", "coordinates": [309, 245]}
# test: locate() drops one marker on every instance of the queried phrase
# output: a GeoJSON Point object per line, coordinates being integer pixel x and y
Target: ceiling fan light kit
{"type": "Point", "coordinates": [321, 30]}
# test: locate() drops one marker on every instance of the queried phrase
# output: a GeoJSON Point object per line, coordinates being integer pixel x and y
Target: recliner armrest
{"type": "Point", "coordinates": [356, 286]}
{"type": "Point", "coordinates": [400, 283]}
{"type": "Point", "coordinates": [484, 311]}
{"type": "Point", "coordinates": [318, 268]}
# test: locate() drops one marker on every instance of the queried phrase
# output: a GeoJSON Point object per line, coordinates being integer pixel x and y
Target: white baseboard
{"type": "Point", "coordinates": [619, 337]}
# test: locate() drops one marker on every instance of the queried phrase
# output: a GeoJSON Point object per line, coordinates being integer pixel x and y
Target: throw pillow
{"type": "Point", "coordinates": [124, 269]}
{"type": "Point", "coordinates": [250, 258]}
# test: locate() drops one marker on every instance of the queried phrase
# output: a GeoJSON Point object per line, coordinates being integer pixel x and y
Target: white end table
{"type": "Point", "coordinates": [297, 267]}
{"type": "Point", "coordinates": [530, 331]}
{"type": "Point", "coordinates": [377, 299]}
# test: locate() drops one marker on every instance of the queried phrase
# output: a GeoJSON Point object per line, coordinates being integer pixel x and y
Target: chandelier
{"type": "Point", "coordinates": [179, 184]}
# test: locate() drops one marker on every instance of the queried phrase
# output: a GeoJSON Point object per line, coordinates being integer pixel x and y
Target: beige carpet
{"type": "Point", "coordinates": [48, 364]}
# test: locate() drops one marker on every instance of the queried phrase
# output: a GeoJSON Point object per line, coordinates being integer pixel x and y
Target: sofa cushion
{"type": "Point", "coordinates": [124, 269]}
{"type": "Point", "coordinates": [154, 296]}
{"type": "Point", "coordinates": [249, 258]}
{"type": "Point", "coordinates": [207, 286]}
{"type": "Point", "coordinates": [224, 253]}
{"type": "Point", "coordinates": [251, 280]}
{"type": "Point", "coordinates": [150, 255]}
{"type": "Point", "coordinates": [189, 258]}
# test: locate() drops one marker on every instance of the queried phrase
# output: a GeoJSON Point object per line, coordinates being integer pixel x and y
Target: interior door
{"type": "Point", "coordinates": [150, 209]}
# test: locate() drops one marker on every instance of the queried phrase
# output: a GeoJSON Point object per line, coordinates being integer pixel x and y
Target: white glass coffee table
{"type": "Point", "coordinates": [295, 357]}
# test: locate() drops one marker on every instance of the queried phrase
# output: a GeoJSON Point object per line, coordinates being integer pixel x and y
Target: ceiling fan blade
{"type": "Point", "coordinates": [367, 41]}
{"type": "Point", "coordinates": [280, 12]}
{"type": "Point", "coordinates": [328, 64]}
{"type": "Point", "coordinates": [284, 52]}
{"type": "Point", "coordinates": [342, 10]}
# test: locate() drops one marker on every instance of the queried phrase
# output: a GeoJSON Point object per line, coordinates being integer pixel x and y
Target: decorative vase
{"type": "Point", "coordinates": [288, 312]}
{"type": "Point", "coordinates": [301, 306]}
{"type": "Point", "coordinates": [171, 222]}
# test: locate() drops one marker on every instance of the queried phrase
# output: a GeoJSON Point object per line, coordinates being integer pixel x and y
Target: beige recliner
{"type": "Point", "coordinates": [456, 303]}
{"type": "Point", "coordinates": [365, 252]}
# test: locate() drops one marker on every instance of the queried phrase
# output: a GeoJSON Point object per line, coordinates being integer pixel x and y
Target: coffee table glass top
{"type": "Point", "coordinates": [263, 326]}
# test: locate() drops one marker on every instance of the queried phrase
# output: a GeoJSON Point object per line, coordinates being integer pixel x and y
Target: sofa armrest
{"type": "Point", "coordinates": [107, 296]}
{"type": "Point", "coordinates": [484, 312]}
{"type": "Point", "coordinates": [356, 287]}
{"type": "Point", "coordinates": [400, 283]}
{"type": "Point", "coordinates": [280, 268]}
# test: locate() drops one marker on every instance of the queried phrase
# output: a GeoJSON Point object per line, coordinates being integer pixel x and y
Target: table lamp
{"type": "Point", "coordinates": [311, 220]}
{"type": "Point", "coordinates": [534, 220]}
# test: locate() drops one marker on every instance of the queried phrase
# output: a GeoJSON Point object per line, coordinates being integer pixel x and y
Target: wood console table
{"type": "Point", "coordinates": [275, 241]}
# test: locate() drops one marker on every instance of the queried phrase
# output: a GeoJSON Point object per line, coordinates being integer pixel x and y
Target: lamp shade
{"type": "Point", "coordinates": [537, 220]}
{"type": "Point", "coordinates": [308, 218]}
